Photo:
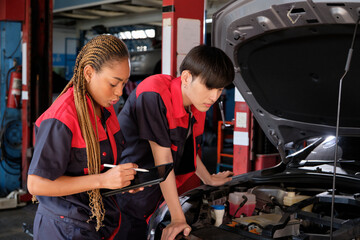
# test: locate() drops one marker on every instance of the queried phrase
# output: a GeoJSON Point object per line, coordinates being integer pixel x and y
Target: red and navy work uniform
{"type": "Point", "coordinates": [61, 150]}
{"type": "Point", "coordinates": [155, 112]}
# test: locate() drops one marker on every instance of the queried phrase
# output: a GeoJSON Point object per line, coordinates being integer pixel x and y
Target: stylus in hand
{"type": "Point", "coordinates": [136, 169]}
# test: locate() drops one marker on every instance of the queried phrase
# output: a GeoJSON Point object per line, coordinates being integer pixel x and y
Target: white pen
{"type": "Point", "coordinates": [136, 169]}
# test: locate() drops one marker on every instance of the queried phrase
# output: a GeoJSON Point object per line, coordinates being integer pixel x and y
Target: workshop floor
{"type": "Point", "coordinates": [13, 221]}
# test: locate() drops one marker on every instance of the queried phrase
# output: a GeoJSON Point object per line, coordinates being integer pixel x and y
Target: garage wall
{"type": "Point", "coordinates": [64, 51]}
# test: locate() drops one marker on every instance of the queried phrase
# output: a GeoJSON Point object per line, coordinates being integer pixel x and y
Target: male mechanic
{"type": "Point", "coordinates": [163, 121]}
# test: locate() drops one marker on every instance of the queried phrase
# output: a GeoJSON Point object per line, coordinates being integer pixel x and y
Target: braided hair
{"type": "Point", "coordinates": [97, 52]}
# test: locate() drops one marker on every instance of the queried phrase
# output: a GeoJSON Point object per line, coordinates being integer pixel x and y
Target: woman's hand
{"type": "Point", "coordinates": [136, 190]}
{"type": "Point", "coordinates": [119, 176]}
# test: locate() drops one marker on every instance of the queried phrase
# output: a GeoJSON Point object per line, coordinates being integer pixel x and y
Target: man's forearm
{"type": "Point", "coordinates": [168, 187]}
{"type": "Point", "coordinates": [202, 172]}
{"type": "Point", "coordinates": [169, 191]}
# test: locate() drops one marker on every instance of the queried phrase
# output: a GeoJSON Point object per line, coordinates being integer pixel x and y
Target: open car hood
{"type": "Point", "coordinates": [289, 57]}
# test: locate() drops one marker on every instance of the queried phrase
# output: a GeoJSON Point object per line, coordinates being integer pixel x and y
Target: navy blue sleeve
{"type": "Point", "coordinates": [52, 150]}
{"type": "Point", "coordinates": [151, 116]}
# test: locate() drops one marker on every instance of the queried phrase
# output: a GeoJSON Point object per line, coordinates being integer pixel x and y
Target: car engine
{"type": "Point", "coordinates": [269, 212]}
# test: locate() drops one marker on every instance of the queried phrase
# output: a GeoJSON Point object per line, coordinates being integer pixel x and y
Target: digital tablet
{"type": "Point", "coordinates": [155, 175]}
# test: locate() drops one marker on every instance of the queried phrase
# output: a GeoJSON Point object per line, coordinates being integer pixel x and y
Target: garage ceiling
{"type": "Point", "coordinates": [85, 14]}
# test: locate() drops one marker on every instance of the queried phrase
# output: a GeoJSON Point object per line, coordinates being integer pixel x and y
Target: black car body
{"type": "Point", "coordinates": [289, 57]}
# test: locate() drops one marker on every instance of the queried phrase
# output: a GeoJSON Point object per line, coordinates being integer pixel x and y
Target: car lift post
{"type": "Point", "coordinates": [182, 29]}
{"type": "Point", "coordinates": [37, 72]}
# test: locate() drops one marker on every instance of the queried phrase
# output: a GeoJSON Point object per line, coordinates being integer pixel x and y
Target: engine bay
{"type": "Point", "coordinates": [271, 212]}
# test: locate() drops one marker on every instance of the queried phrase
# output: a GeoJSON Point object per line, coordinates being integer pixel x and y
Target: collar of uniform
{"type": "Point", "coordinates": [177, 99]}
{"type": "Point", "coordinates": [106, 113]}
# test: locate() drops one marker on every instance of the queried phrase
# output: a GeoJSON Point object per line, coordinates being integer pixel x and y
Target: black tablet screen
{"type": "Point", "coordinates": [155, 175]}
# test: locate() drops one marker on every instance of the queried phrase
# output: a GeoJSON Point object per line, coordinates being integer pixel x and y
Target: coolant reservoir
{"type": "Point", "coordinates": [291, 198]}
{"type": "Point", "coordinates": [236, 198]}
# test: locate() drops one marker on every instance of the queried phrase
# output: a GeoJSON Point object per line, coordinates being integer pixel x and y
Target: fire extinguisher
{"type": "Point", "coordinates": [15, 86]}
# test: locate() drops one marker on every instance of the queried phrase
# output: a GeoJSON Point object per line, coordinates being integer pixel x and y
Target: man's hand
{"type": "Point", "coordinates": [174, 228]}
{"type": "Point", "coordinates": [220, 178]}
{"type": "Point", "coordinates": [214, 179]}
